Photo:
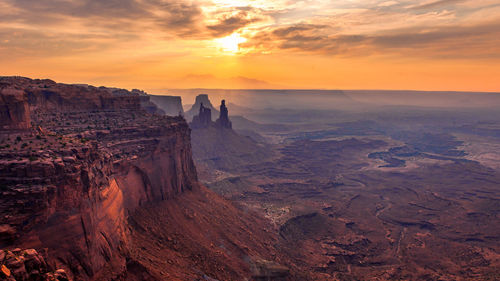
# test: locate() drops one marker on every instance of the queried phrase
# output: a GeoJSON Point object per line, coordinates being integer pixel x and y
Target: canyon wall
{"type": "Point", "coordinates": [70, 181]}
{"type": "Point", "coordinates": [14, 110]}
{"type": "Point", "coordinates": [172, 105]}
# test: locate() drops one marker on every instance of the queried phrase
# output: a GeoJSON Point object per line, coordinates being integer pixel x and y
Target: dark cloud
{"type": "Point", "coordinates": [231, 23]}
{"type": "Point", "coordinates": [305, 38]}
{"type": "Point", "coordinates": [172, 16]}
{"type": "Point", "coordinates": [297, 29]}
{"type": "Point", "coordinates": [446, 41]}
{"type": "Point", "coordinates": [184, 18]}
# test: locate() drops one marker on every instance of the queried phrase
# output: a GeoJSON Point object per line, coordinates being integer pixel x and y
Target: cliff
{"type": "Point", "coordinates": [14, 111]}
{"type": "Point", "coordinates": [91, 158]}
{"type": "Point", "coordinates": [171, 105]}
{"type": "Point", "coordinates": [17, 265]}
{"type": "Point", "coordinates": [108, 191]}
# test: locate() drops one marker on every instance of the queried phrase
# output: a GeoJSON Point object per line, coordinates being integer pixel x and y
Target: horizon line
{"type": "Point", "coordinates": [317, 89]}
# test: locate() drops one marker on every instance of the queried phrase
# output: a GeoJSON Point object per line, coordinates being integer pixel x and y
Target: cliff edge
{"type": "Point", "coordinates": [107, 190]}
{"type": "Point", "coordinates": [75, 162]}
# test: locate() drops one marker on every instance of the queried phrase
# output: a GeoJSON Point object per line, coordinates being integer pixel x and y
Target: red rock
{"type": "Point", "coordinates": [108, 161]}
{"type": "Point", "coordinates": [14, 109]}
{"type": "Point", "coordinates": [5, 271]}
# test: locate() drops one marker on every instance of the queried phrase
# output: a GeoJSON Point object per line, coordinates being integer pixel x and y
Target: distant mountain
{"type": "Point", "coordinates": [210, 81]}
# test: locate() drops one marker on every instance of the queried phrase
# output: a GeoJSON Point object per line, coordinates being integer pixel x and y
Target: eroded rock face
{"type": "Point", "coordinates": [17, 265]}
{"type": "Point", "coordinates": [14, 109]}
{"type": "Point", "coordinates": [203, 119]}
{"type": "Point", "coordinates": [109, 191]}
{"type": "Point", "coordinates": [195, 109]}
{"type": "Point", "coordinates": [171, 105]}
{"type": "Point", "coordinates": [223, 120]}
{"type": "Point", "coordinates": [91, 158]}
{"type": "Point", "coordinates": [49, 95]}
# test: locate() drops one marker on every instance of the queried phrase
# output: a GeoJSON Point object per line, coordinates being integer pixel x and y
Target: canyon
{"type": "Point", "coordinates": [102, 183]}
{"type": "Point", "coordinates": [109, 191]}
{"type": "Point", "coordinates": [388, 193]}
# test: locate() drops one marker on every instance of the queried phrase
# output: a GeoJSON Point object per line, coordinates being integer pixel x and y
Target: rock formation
{"type": "Point", "coordinates": [203, 119]}
{"type": "Point", "coordinates": [201, 99]}
{"type": "Point", "coordinates": [223, 121]}
{"type": "Point", "coordinates": [172, 105]}
{"type": "Point", "coordinates": [19, 265]}
{"type": "Point", "coordinates": [14, 110]}
{"type": "Point", "coordinates": [217, 145]}
{"type": "Point", "coordinates": [86, 178]}
{"type": "Point", "coordinates": [70, 186]}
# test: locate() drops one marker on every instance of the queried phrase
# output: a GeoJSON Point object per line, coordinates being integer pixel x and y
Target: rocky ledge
{"type": "Point", "coordinates": [17, 265]}
{"type": "Point", "coordinates": [75, 161]}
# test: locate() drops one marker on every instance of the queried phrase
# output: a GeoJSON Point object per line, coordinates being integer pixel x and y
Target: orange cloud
{"type": "Point", "coordinates": [298, 44]}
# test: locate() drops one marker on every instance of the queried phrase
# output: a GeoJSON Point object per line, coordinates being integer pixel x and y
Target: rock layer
{"type": "Point", "coordinates": [109, 191]}
{"type": "Point", "coordinates": [14, 110]}
{"type": "Point", "coordinates": [91, 158]}
{"type": "Point", "coordinates": [172, 105]}
{"type": "Point", "coordinates": [17, 265]}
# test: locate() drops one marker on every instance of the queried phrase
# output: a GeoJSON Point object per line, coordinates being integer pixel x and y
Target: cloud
{"type": "Point", "coordinates": [230, 23]}
{"type": "Point", "coordinates": [456, 41]}
{"type": "Point", "coordinates": [171, 16]}
{"type": "Point", "coordinates": [388, 3]}
{"type": "Point", "coordinates": [436, 4]}
{"type": "Point", "coordinates": [345, 28]}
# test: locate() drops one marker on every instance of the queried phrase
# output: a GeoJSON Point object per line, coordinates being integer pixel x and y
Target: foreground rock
{"type": "Point", "coordinates": [27, 264]}
{"type": "Point", "coordinates": [88, 161]}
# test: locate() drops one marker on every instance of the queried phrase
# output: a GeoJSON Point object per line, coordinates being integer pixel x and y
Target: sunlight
{"type": "Point", "coordinates": [230, 44]}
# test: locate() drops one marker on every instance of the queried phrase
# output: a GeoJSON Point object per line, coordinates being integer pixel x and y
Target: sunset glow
{"type": "Point", "coordinates": [231, 43]}
{"type": "Point", "coordinates": [379, 44]}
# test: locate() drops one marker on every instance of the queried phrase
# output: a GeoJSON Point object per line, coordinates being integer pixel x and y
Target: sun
{"type": "Point", "coordinates": [231, 43]}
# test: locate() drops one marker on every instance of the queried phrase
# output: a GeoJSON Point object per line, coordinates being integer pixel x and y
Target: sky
{"type": "Point", "coordinates": [310, 44]}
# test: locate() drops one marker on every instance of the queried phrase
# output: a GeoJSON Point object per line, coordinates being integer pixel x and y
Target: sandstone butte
{"type": "Point", "coordinates": [103, 188]}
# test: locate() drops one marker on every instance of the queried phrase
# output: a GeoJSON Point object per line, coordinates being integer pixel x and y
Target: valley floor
{"type": "Point", "coordinates": [369, 208]}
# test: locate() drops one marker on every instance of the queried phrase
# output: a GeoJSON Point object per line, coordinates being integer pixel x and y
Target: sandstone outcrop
{"type": "Point", "coordinates": [217, 145]}
{"type": "Point", "coordinates": [195, 109]}
{"type": "Point", "coordinates": [171, 105]}
{"type": "Point", "coordinates": [94, 157]}
{"type": "Point", "coordinates": [203, 119]}
{"type": "Point", "coordinates": [109, 191]}
{"type": "Point", "coordinates": [20, 265]}
{"type": "Point", "coordinates": [223, 121]}
{"type": "Point", "coordinates": [14, 109]}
